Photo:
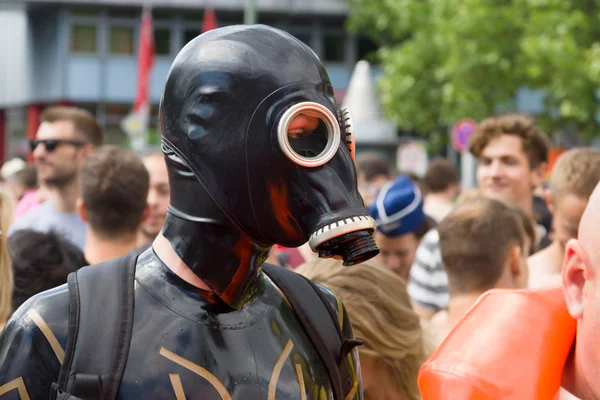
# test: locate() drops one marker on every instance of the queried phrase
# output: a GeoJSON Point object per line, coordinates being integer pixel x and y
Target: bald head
{"type": "Point", "coordinates": [589, 234]}
{"type": "Point", "coordinates": [581, 289]}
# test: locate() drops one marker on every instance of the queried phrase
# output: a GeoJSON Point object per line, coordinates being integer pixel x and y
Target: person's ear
{"type": "Point", "coordinates": [576, 272]}
{"type": "Point", "coordinates": [515, 264]}
{"type": "Point", "coordinates": [80, 206]}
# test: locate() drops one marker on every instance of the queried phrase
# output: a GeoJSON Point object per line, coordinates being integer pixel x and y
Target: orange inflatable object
{"type": "Point", "coordinates": [512, 345]}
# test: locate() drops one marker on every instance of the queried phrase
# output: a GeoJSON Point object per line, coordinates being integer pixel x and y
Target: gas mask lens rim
{"type": "Point", "coordinates": [325, 116]}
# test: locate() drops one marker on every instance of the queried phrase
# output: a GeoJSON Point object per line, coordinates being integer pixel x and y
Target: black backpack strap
{"type": "Point", "coordinates": [317, 317]}
{"type": "Point", "coordinates": [100, 326]}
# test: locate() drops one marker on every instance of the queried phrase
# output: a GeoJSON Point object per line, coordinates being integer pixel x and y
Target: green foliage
{"type": "Point", "coordinates": [444, 60]}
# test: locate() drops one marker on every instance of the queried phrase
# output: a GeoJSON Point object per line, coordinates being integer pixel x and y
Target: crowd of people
{"type": "Point", "coordinates": [449, 248]}
{"type": "Point", "coordinates": [82, 202]}
{"type": "Point", "coordinates": [496, 236]}
{"type": "Point", "coordinates": [79, 202]}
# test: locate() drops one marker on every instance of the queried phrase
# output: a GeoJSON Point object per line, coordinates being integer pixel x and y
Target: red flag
{"type": "Point", "coordinates": [135, 124]}
{"type": "Point", "coordinates": [210, 20]}
{"type": "Point", "coordinates": [145, 60]}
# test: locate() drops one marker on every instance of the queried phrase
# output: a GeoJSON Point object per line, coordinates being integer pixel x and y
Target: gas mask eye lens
{"type": "Point", "coordinates": [309, 134]}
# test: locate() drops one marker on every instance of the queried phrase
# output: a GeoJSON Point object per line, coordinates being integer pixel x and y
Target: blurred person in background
{"type": "Point", "coordinates": [32, 198]}
{"type": "Point", "coordinates": [18, 177]}
{"type": "Point", "coordinates": [442, 185]}
{"type": "Point", "coordinates": [543, 216]}
{"type": "Point", "coordinates": [21, 179]}
{"type": "Point", "coordinates": [401, 224]}
{"type": "Point", "coordinates": [6, 271]}
{"type": "Point", "coordinates": [158, 196]}
{"type": "Point", "coordinates": [574, 177]}
{"type": "Point", "coordinates": [41, 261]}
{"type": "Point", "coordinates": [114, 187]}
{"type": "Point", "coordinates": [64, 140]}
{"type": "Point", "coordinates": [381, 315]}
{"type": "Point", "coordinates": [372, 172]}
{"type": "Point", "coordinates": [545, 348]}
{"type": "Point", "coordinates": [472, 264]}
{"type": "Point", "coordinates": [512, 154]}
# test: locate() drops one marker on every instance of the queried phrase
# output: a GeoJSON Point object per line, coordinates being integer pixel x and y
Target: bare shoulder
{"type": "Point", "coordinates": [544, 268]}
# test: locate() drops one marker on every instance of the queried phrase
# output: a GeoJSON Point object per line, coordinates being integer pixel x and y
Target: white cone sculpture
{"type": "Point", "coordinates": [361, 98]}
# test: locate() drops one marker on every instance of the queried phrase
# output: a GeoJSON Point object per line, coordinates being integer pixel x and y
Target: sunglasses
{"type": "Point", "coordinates": [52, 144]}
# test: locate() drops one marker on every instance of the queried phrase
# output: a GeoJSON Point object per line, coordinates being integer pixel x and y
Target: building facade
{"type": "Point", "coordinates": [84, 52]}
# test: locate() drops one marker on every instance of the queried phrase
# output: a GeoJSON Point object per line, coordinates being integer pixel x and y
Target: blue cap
{"type": "Point", "coordinates": [398, 208]}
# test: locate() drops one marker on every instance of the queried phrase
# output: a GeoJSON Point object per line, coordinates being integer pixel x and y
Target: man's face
{"type": "Point", "coordinates": [397, 253]}
{"type": "Point", "coordinates": [503, 171]}
{"type": "Point", "coordinates": [567, 213]}
{"type": "Point", "coordinates": [58, 166]}
{"type": "Point", "coordinates": [158, 195]}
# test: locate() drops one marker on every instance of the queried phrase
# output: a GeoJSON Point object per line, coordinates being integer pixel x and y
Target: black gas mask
{"type": "Point", "coordinates": [254, 140]}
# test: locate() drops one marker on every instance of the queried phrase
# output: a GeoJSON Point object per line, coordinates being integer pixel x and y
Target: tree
{"type": "Point", "coordinates": [444, 60]}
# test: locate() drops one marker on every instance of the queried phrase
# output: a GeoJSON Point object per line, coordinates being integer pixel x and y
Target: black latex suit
{"type": "Point", "coordinates": [242, 178]}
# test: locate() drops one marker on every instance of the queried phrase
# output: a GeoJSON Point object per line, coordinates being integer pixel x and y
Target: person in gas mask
{"type": "Point", "coordinates": [258, 153]}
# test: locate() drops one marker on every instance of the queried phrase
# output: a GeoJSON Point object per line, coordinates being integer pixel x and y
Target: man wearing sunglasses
{"type": "Point", "coordinates": [65, 138]}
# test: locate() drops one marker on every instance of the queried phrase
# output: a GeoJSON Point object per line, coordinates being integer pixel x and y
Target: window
{"type": "Point", "coordinates": [162, 41]}
{"type": "Point", "coordinates": [126, 12]}
{"type": "Point", "coordinates": [229, 18]}
{"type": "Point", "coordinates": [190, 34]}
{"type": "Point", "coordinates": [334, 47]}
{"type": "Point", "coordinates": [333, 21]}
{"type": "Point", "coordinates": [301, 20]}
{"type": "Point", "coordinates": [83, 38]}
{"type": "Point", "coordinates": [121, 40]}
{"type": "Point", "coordinates": [163, 13]}
{"type": "Point", "coordinates": [270, 19]}
{"type": "Point", "coordinates": [193, 16]}
{"type": "Point", "coordinates": [85, 11]}
{"type": "Point", "coordinates": [91, 107]}
{"type": "Point", "coordinates": [303, 37]}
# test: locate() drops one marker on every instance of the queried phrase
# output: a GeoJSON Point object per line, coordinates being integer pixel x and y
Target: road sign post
{"type": "Point", "coordinates": [461, 134]}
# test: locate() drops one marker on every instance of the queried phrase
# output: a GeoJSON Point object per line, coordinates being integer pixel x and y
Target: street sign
{"type": "Point", "coordinates": [461, 133]}
{"type": "Point", "coordinates": [412, 157]}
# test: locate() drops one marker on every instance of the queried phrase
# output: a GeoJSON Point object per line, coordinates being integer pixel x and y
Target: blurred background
{"type": "Point", "coordinates": [417, 74]}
